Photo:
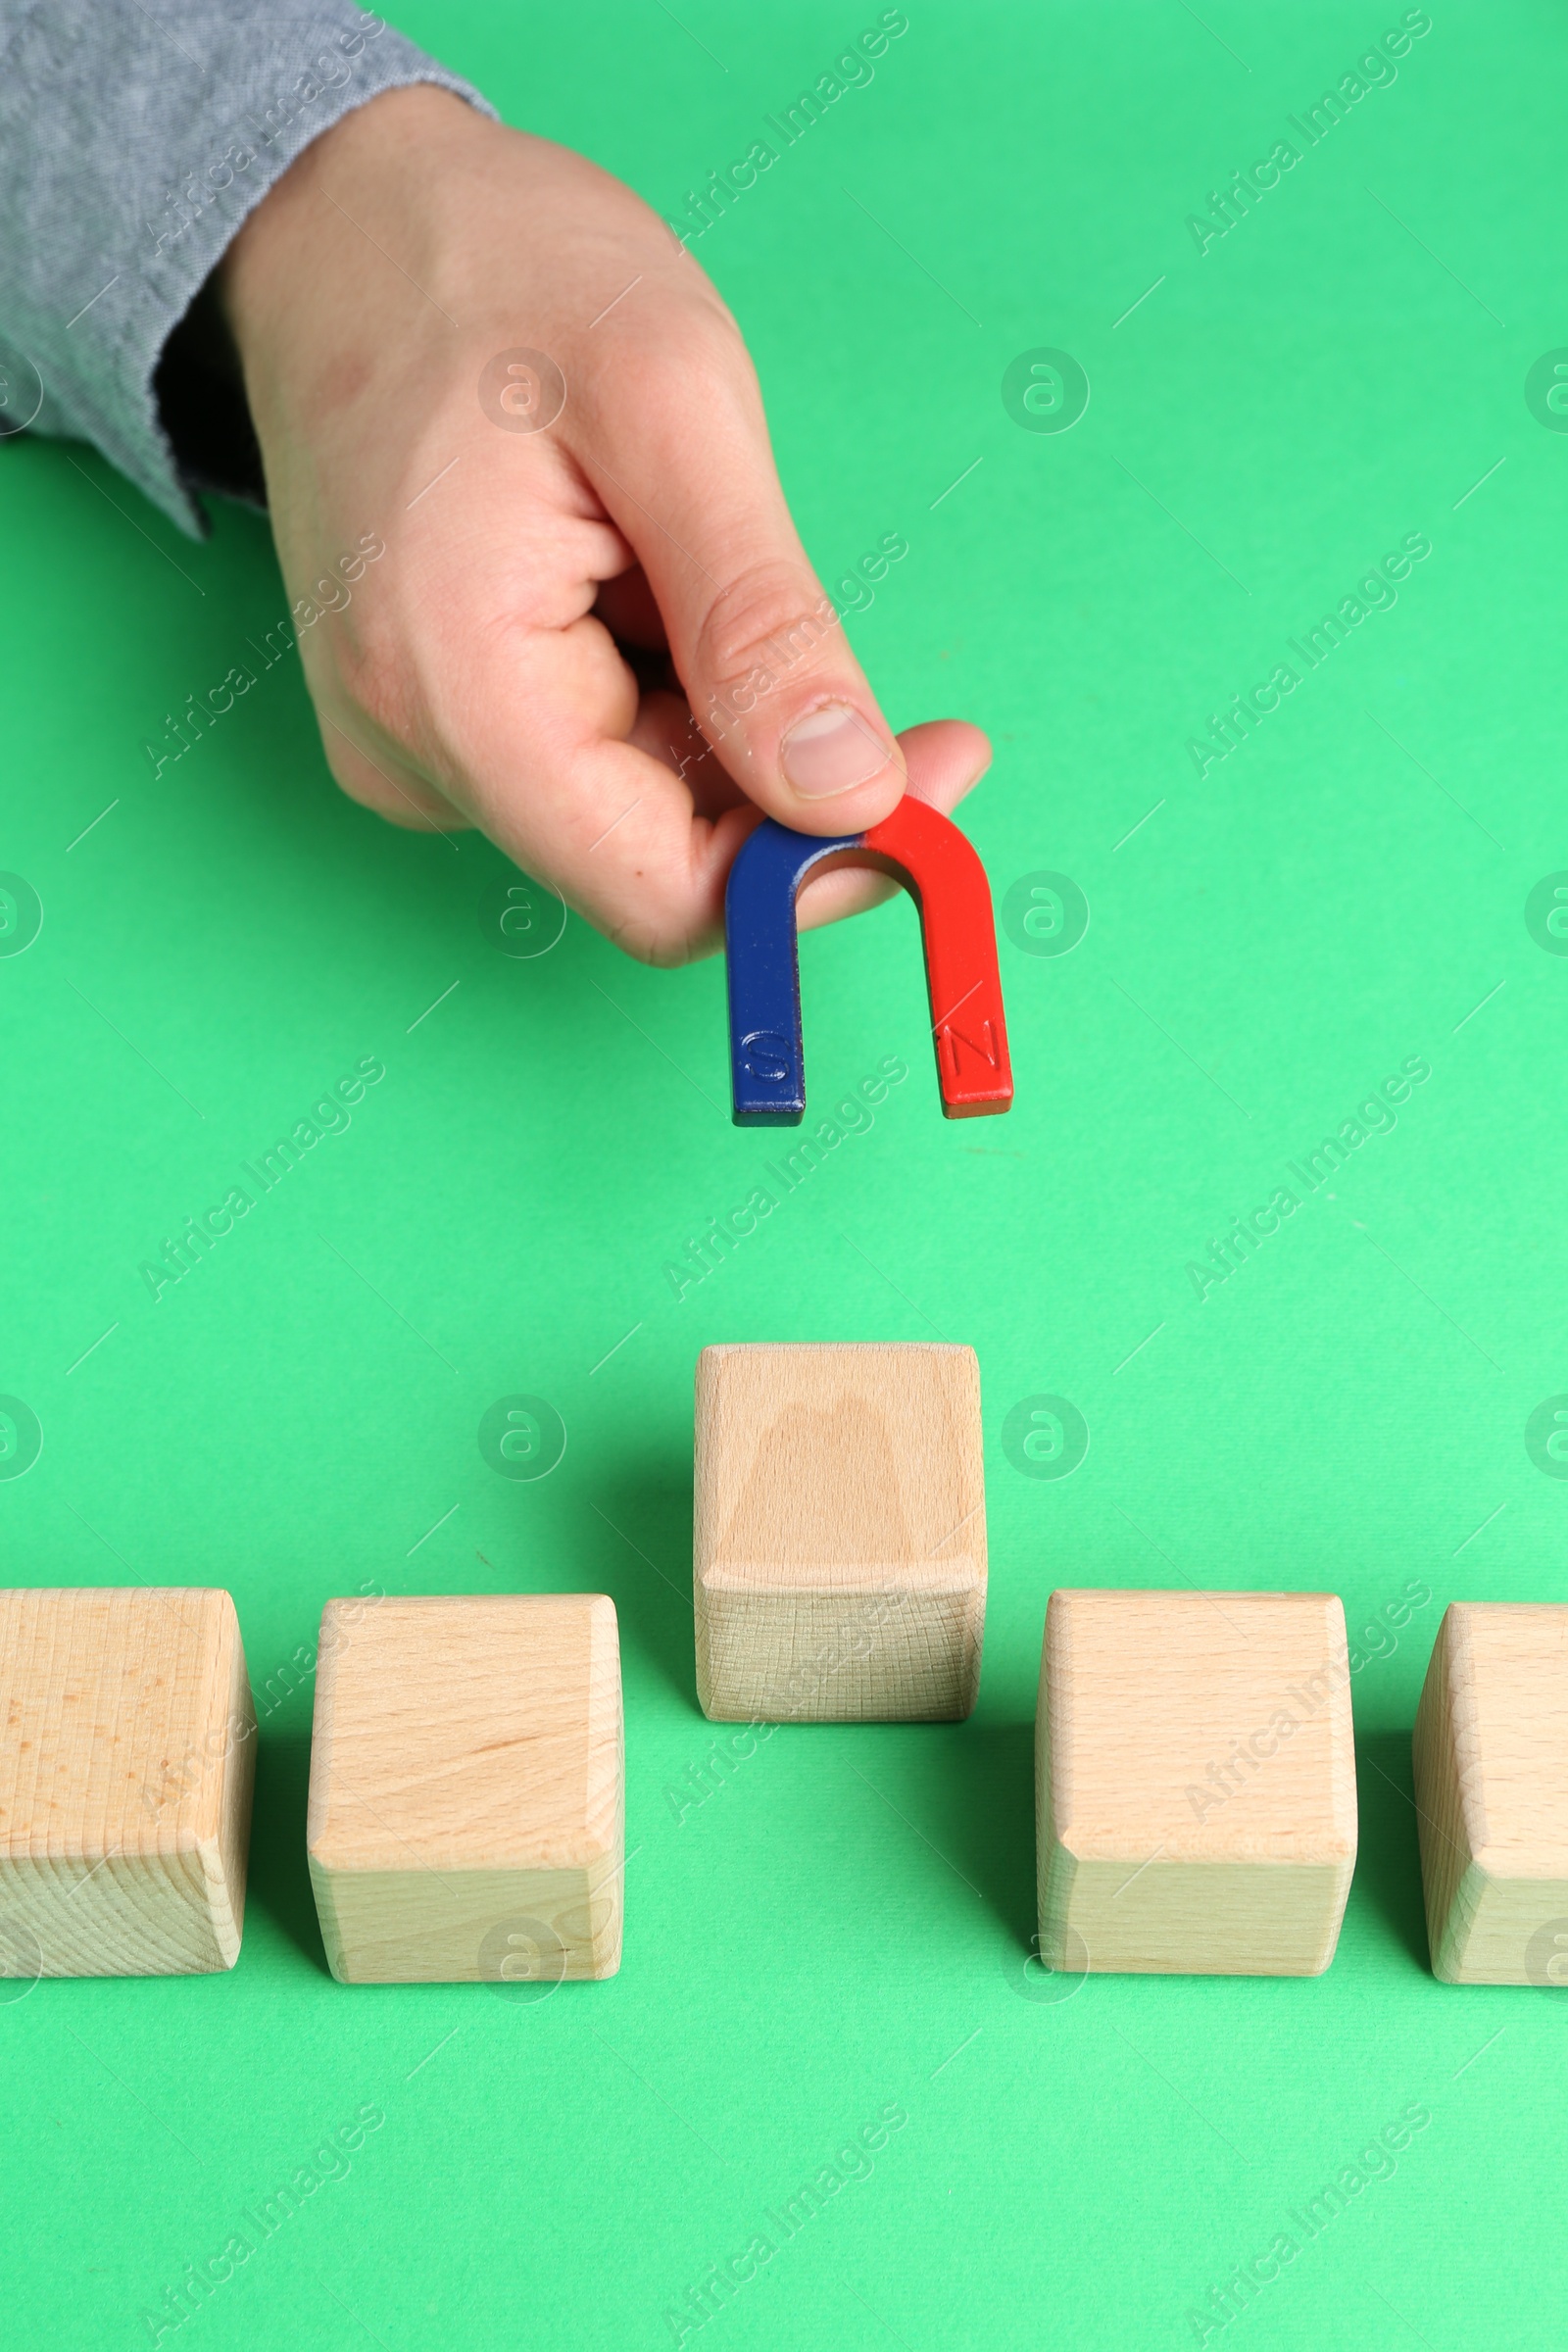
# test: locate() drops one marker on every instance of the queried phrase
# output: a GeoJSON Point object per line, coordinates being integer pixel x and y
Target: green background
{"type": "Point", "coordinates": [1345, 1411]}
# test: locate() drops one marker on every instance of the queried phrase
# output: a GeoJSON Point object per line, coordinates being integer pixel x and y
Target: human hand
{"type": "Point", "coordinates": [600, 640]}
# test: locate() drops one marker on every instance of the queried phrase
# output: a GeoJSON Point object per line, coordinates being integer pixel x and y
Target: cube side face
{"type": "Point", "coordinates": [1215, 1727]}
{"type": "Point", "coordinates": [1492, 1784]}
{"type": "Point", "coordinates": [838, 1465]}
{"type": "Point", "coordinates": [1208, 1919]}
{"type": "Point", "coordinates": [227, 1856]}
{"type": "Point", "coordinates": [1194, 1775]}
{"type": "Point", "coordinates": [1442, 1829]}
{"type": "Point", "coordinates": [1048, 1899]}
{"type": "Point", "coordinates": [845, 1657]}
{"type": "Point", "coordinates": [1506, 1930]}
{"type": "Point", "coordinates": [478, 1732]}
{"type": "Point", "coordinates": [526, 1930]}
{"type": "Point", "coordinates": [1508, 1680]}
{"type": "Point", "coordinates": [466, 1813]}
{"type": "Point", "coordinates": [604, 1793]}
{"type": "Point", "coordinates": [839, 1554]}
{"type": "Point", "coordinates": [155, 1914]}
{"type": "Point", "coordinates": [126, 1752]}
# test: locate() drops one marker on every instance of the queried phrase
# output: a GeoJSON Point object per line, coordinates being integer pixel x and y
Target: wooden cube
{"type": "Point", "coordinates": [1196, 1782]}
{"type": "Point", "coordinates": [1490, 1754]}
{"type": "Point", "coordinates": [840, 1534]}
{"type": "Point", "coordinates": [128, 1751]}
{"type": "Point", "coordinates": [467, 1789]}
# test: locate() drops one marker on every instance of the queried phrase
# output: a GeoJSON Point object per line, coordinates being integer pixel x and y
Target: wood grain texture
{"type": "Point", "coordinates": [467, 1789]}
{"type": "Point", "coordinates": [128, 1751]}
{"type": "Point", "coordinates": [839, 1538]}
{"type": "Point", "coordinates": [1490, 1758]}
{"type": "Point", "coordinates": [1194, 1782]}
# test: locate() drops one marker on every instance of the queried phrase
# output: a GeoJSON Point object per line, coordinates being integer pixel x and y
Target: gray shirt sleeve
{"type": "Point", "coordinates": [132, 145]}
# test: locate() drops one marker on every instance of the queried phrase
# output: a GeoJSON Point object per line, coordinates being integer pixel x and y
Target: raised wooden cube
{"type": "Point", "coordinates": [1490, 1754]}
{"type": "Point", "coordinates": [1196, 1782]}
{"type": "Point", "coordinates": [467, 1789]}
{"type": "Point", "coordinates": [840, 1534]}
{"type": "Point", "coordinates": [128, 1751]}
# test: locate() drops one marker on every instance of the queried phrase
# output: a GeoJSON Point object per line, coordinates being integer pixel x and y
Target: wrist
{"type": "Point", "coordinates": [306, 255]}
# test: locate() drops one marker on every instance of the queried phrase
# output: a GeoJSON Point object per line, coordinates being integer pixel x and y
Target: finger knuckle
{"type": "Point", "coordinates": [768, 620]}
{"type": "Point", "coordinates": [375, 675]}
{"type": "Point", "coordinates": [691, 359]}
{"type": "Point", "coordinates": [699, 336]}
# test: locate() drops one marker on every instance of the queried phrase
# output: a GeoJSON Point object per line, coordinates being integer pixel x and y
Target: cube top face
{"type": "Point", "coordinates": [1211, 1726]}
{"type": "Point", "coordinates": [480, 1733]}
{"type": "Point", "coordinates": [1508, 1674]}
{"type": "Point", "coordinates": [823, 1469]}
{"type": "Point", "coordinates": [121, 1709]}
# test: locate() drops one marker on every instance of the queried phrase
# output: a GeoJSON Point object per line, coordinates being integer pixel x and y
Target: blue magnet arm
{"type": "Point", "coordinates": [767, 1055]}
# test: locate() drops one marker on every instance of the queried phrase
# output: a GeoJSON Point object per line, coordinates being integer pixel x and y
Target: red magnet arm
{"type": "Point", "coordinates": [941, 869]}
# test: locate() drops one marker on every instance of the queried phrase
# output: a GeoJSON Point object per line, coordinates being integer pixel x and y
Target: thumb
{"type": "Point", "coordinates": [686, 469]}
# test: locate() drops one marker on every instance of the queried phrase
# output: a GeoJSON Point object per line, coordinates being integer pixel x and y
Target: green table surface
{"type": "Point", "coordinates": [841, 1930]}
